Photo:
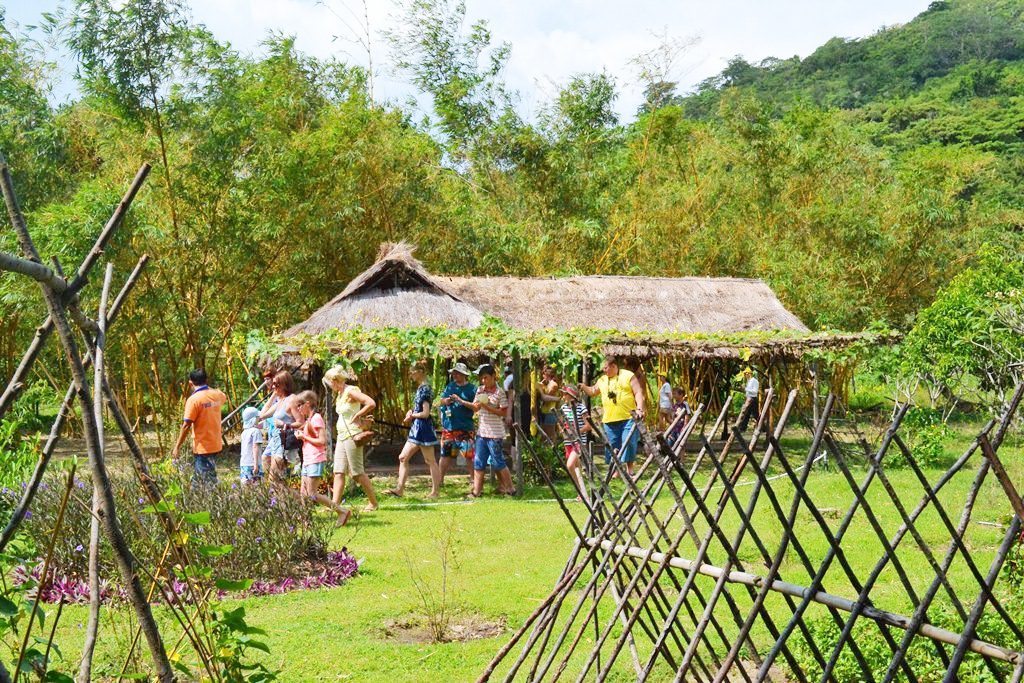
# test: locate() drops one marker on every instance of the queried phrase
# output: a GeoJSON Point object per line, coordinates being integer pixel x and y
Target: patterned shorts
{"type": "Point", "coordinates": [455, 441]}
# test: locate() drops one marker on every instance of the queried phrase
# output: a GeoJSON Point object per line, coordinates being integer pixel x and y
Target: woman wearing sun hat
{"type": "Point", "coordinates": [353, 407]}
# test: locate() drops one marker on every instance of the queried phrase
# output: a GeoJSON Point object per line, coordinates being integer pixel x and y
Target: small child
{"type": "Point", "coordinates": [679, 407]}
{"type": "Point", "coordinates": [313, 435]}
{"type": "Point", "coordinates": [252, 437]}
{"type": "Point", "coordinates": [575, 425]}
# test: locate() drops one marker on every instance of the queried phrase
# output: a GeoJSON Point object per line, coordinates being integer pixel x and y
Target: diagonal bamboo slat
{"type": "Point", "coordinates": [702, 566]}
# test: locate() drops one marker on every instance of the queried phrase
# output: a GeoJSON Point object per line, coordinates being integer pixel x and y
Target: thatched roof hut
{"type": "Point", "coordinates": [397, 291]}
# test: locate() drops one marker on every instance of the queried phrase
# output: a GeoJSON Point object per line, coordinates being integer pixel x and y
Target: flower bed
{"type": "Point", "coordinates": [249, 539]}
{"type": "Point", "coordinates": [332, 571]}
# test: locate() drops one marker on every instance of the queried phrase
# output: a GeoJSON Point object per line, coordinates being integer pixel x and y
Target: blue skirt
{"type": "Point", "coordinates": [422, 433]}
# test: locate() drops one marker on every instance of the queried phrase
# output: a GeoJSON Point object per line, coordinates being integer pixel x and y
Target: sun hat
{"type": "Point", "coordinates": [462, 369]}
{"type": "Point", "coordinates": [571, 390]}
{"type": "Point", "coordinates": [250, 416]}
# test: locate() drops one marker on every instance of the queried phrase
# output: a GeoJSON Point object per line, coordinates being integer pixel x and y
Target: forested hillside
{"type": "Point", "coordinates": [857, 181]}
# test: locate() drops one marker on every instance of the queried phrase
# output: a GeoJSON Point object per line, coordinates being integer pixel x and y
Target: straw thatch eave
{"type": "Point", "coordinates": [653, 305]}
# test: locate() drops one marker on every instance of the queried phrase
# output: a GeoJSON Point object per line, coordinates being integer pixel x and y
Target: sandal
{"type": "Point", "coordinates": [394, 493]}
{"type": "Point", "coordinates": [370, 508]}
{"type": "Point", "coordinates": [343, 517]}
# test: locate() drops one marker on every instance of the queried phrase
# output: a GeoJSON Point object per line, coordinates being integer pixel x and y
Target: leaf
{"type": "Point", "coordinates": [229, 585]}
{"type": "Point", "coordinates": [58, 677]}
{"type": "Point", "coordinates": [7, 608]}
{"type": "Point", "coordinates": [215, 550]}
{"type": "Point", "coordinates": [194, 572]}
{"type": "Point", "coordinates": [197, 518]}
{"type": "Point", "coordinates": [161, 506]}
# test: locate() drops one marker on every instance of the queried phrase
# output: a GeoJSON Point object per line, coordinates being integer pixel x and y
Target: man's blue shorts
{"type": "Point", "coordinates": [615, 432]}
{"type": "Point", "coordinates": [204, 469]}
{"type": "Point", "coordinates": [488, 450]}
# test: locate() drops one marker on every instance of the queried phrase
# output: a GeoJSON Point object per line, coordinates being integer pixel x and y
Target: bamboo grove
{"type": "Point", "coordinates": [276, 174]}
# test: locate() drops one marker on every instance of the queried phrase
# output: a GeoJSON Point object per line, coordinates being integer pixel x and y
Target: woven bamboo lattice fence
{"type": "Point", "coordinates": [730, 562]}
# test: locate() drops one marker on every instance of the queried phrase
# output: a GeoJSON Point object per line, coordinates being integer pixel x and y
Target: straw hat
{"type": "Point", "coordinates": [572, 391]}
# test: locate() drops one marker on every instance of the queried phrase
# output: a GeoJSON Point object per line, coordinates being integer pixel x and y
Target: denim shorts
{"type": "Point", "coordinates": [548, 419]}
{"type": "Point", "coordinates": [615, 433]}
{"type": "Point", "coordinates": [250, 473]}
{"type": "Point", "coordinates": [314, 470]}
{"type": "Point", "coordinates": [488, 450]}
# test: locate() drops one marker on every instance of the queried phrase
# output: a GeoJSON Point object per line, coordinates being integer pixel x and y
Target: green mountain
{"type": "Point", "coordinates": [893, 63]}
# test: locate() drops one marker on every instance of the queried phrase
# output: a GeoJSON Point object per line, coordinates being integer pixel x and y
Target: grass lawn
{"type": "Point", "coordinates": [509, 553]}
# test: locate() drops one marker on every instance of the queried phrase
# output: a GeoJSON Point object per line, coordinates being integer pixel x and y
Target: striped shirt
{"type": "Point", "coordinates": [581, 422]}
{"type": "Point", "coordinates": [491, 426]}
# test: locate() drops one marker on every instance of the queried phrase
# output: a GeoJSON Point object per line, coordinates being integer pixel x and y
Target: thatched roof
{"type": "Point", "coordinates": [698, 305]}
{"type": "Point", "coordinates": [396, 291]}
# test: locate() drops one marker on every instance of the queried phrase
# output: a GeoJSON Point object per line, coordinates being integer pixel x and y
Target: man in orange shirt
{"type": "Point", "coordinates": [202, 417]}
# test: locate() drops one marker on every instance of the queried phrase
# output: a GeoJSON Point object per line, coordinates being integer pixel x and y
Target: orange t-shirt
{"type": "Point", "coordinates": [202, 409]}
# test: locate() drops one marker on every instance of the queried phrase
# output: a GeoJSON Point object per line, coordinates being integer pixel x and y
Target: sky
{"type": "Point", "coordinates": [551, 39]}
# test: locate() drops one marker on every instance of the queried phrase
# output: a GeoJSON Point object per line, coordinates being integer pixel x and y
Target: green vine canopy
{"type": "Point", "coordinates": [365, 348]}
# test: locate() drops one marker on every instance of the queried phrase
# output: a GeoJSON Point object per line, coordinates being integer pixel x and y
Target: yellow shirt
{"type": "Point", "coordinates": [617, 409]}
{"type": "Point", "coordinates": [551, 389]}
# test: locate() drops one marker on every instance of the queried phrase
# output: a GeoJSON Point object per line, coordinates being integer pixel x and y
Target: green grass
{"type": "Point", "coordinates": [509, 553]}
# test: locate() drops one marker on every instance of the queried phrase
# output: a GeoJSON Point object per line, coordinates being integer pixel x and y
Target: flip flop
{"type": "Point", "coordinates": [370, 508]}
{"type": "Point", "coordinates": [394, 493]}
{"type": "Point", "coordinates": [343, 518]}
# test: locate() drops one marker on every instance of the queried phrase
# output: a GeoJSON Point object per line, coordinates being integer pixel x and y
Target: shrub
{"type": "Point", "coordinates": [19, 457]}
{"type": "Point", "coordinates": [927, 437]}
{"type": "Point", "coordinates": [922, 655]}
{"type": "Point", "coordinates": [269, 531]}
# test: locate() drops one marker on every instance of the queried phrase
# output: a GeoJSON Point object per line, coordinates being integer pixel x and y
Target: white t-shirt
{"type": "Point", "coordinates": [508, 383]}
{"type": "Point", "coordinates": [752, 388]}
{"type": "Point", "coordinates": [250, 436]}
{"type": "Point", "coordinates": [665, 396]}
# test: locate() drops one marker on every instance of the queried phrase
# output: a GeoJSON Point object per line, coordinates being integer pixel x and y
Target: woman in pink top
{"type": "Point", "coordinates": [313, 435]}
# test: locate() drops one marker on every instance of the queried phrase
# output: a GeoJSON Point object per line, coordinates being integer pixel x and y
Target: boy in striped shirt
{"type": "Point", "coordinates": [490, 404]}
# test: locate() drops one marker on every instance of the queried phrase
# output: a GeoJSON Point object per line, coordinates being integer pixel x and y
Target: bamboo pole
{"type": "Point", "coordinates": [93, 623]}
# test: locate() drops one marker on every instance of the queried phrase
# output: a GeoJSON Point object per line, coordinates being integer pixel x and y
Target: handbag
{"type": "Point", "coordinates": [365, 434]}
{"type": "Point", "coordinates": [289, 441]}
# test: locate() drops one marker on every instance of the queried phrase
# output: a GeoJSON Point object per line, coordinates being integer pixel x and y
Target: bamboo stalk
{"type": "Point", "coordinates": [93, 623]}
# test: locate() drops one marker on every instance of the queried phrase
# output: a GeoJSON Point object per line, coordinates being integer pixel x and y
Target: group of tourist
{"type": "Point", "coordinates": [288, 431]}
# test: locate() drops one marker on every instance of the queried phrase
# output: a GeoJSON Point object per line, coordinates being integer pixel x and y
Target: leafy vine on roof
{"type": "Point", "coordinates": [366, 347]}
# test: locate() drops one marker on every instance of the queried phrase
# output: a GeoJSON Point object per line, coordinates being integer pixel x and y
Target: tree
{"type": "Point", "coordinates": [460, 70]}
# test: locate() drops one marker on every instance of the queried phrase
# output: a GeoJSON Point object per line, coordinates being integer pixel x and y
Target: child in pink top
{"type": "Point", "coordinates": [313, 435]}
